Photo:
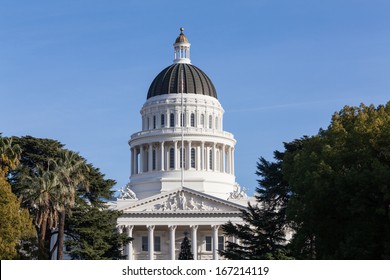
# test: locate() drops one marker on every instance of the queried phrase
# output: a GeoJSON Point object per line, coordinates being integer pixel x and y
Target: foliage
{"type": "Point", "coordinates": [93, 235]}
{"type": "Point", "coordinates": [185, 249]}
{"type": "Point", "coordinates": [341, 187]}
{"type": "Point", "coordinates": [16, 228]}
{"type": "Point", "coordinates": [9, 156]}
{"type": "Point", "coordinates": [92, 226]}
{"type": "Point", "coordinates": [53, 183]}
{"type": "Point", "coordinates": [262, 236]}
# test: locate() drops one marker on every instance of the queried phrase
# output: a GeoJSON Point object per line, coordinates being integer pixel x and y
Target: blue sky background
{"type": "Point", "coordinates": [79, 71]}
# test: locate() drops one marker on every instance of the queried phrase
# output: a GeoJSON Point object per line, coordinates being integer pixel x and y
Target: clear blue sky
{"type": "Point", "coordinates": [79, 71]}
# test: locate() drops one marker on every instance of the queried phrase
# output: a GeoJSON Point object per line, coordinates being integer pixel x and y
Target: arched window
{"type": "Point", "coordinates": [172, 120]}
{"type": "Point", "coordinates": [210, 159]}
{"type": "Point", "coordinates": [154, 160]}
{"type": "Point", "coordinates": [192, 120]}
{"type": "Point", "coordinates": [171, 158]}
{"type": "Point", "coordinates": [210, 121]}
{"type": "Point", "coordinates": [192, 157]}
{"type": "Point", "coordinates": [154, 122]}
{"type": "Point", "coordinates": [162, 120]}
{"type": "Point", "coordinates": [202, 120]}
{"type": "Point", "coordinates": [182, 158]}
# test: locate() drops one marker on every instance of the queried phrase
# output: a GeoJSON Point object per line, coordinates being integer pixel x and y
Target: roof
{"type": "Point", "coordinates": [169, 81]}
{"type": "Point", "coordinates": [181, 38]}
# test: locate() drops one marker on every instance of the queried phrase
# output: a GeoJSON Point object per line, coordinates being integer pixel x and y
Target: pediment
{"type": "Point", "coordinates": [183, 200]}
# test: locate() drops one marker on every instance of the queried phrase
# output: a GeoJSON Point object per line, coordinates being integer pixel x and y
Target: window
{"type": "Point", "coordinates": [210, 121]}
{"type": "Point", "coordinates": [182, 157]}
{"type": "Point", "coordinates": [172, 120]}
{"type": "Point", "coordinates": [154, 122]}
{"type": "Point", "coordinates": [221, 243]}
{"type": "Point", "coordinates": [172, 158]}
{"type": "Point", "coordinates": [193, 157]}
{"type": "Point", "coordinates": [145, 246]}
{"type": "Point", "coordinates": [157, 243]}
{"type": "Point", "coordinates": [145, 243]}
{"type": "Point", "coordinates": [210, 159]}
{"type": "Point", "coordinates": [162, 120]}
{"type": "Point", "coordinates": [202, 120]}
{"type": "Point", "coordinates": [154, 160]}
{"type": "Point", "coordinates": [208, 244]}
{"type": "Point", "coordinates": [182, 120]}
{"type": "Point", "coordinates": [192, 120]}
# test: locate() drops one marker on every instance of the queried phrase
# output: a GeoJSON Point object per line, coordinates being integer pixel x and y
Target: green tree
{"type": "Point", "coordinates": [16, 227]}
{"type": "Point", "coordinates": [262, 236]}
{"type": "Point", "coordinates": [50, 173]}
{"type": "Point", "coordinates": [40, 196]}
{"type": "Point", "coordinates": [185, 249]}
{"type": "Point", "coordinates": [340, 182]}
{"type": "Point", "coordinates": [71, 169]}
{"type": "Point", "coordinates": [9, 155]}
{"type": "Point", "coordinates": [91, 228]}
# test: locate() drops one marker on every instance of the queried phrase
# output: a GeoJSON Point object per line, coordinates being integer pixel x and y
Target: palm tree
{"type": "Point", "coordinates": [71, 169]}
{"type": "Point", "coordinates": [9, 155]}
{"type": "Point", "coordinates": [39, 194]}
{"type": "Point", "coordinates": [51, 192]}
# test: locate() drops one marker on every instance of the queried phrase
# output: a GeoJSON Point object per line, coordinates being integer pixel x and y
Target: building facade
{"type": "Point", "coordinates": [182, 167]}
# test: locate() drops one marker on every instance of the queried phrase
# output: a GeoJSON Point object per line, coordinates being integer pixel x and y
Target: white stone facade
{"type": "Point", "coordinates": [182, 176]}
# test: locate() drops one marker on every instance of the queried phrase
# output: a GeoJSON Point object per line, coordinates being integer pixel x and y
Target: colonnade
{"type": "Point", "coordinates": [199, 156]}
{"type": "Point", "coordinates": [129, 250]}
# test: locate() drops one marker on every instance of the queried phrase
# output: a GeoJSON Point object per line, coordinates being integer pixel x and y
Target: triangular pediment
{"type": "Point", "coordinates": [183, 200]}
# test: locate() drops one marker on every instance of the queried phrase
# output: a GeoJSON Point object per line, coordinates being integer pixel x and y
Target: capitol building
{"type": "Point", "coordinates": [182, 178]}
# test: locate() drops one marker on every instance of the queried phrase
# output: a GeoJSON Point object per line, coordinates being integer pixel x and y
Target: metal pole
{"type": "Point", "coordinates": [182, 129]}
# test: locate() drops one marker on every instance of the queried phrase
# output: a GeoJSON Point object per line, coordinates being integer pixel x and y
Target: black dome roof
{"type": "Point", "coordinates": [169, 81]}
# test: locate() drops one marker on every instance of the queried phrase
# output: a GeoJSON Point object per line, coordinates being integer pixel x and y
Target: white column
{"type": "Point", "coordinates": [141, 159]}
{"type": "Point", "coordinates": [172, 241]}
{"type": "Point", "coordinates": [189, 155]}
{"type": "Point", "coordinates": [198, 158]}
{"type": "Point", "coordinates": [232, 160]}
{"type": "Point", "coordinates": [130, 245]}
{"type": "Point", "coordinates": [162, 156]}
{"type": "Point", "coordinates": [131, 161]}
{"type": "Point", "coordinates": [215, 241]}
{"type": "Point", "coordinates": [150, 159]}
{"type": "Point", "coordinates": [120, 230]}
{"type": "Point", "coordinates": [214, 157]}
{"type": "Point", "coordinates": [195, 242]}
{"type": "Point", "coordinates": [151, 242]}
{"type": "Point", "coordinates": [223, 158]}
{"type": "Point", "coordinates": [176, 156]}
{"type": "Point", "coordinates": [202, 166]}
{"type": "Point", "coordinates": [136, 160]}
{"type": "Point", "coordinates": [229, 162]}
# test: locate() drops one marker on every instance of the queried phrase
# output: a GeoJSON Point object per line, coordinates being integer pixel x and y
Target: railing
{"type": "Point", "coordinates": [177, 130]}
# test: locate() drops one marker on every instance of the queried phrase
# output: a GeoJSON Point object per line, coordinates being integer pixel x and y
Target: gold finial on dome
{"type": "Point", "coordinates": [181, 38]}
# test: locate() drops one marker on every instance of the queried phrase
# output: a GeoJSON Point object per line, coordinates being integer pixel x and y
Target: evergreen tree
{"type": "Point", "coordinates": [341, 187]}
{"type": "Point", "coordinates": [185, 249]}
{"type": "Point", "coordinates": [262, 236]}
{"type": "Point", "coordinates": [91, 228]}
{"type": "Point", "coordinates": [17, 234]}
{"type": "Point", "coordinates": [41, 159]}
